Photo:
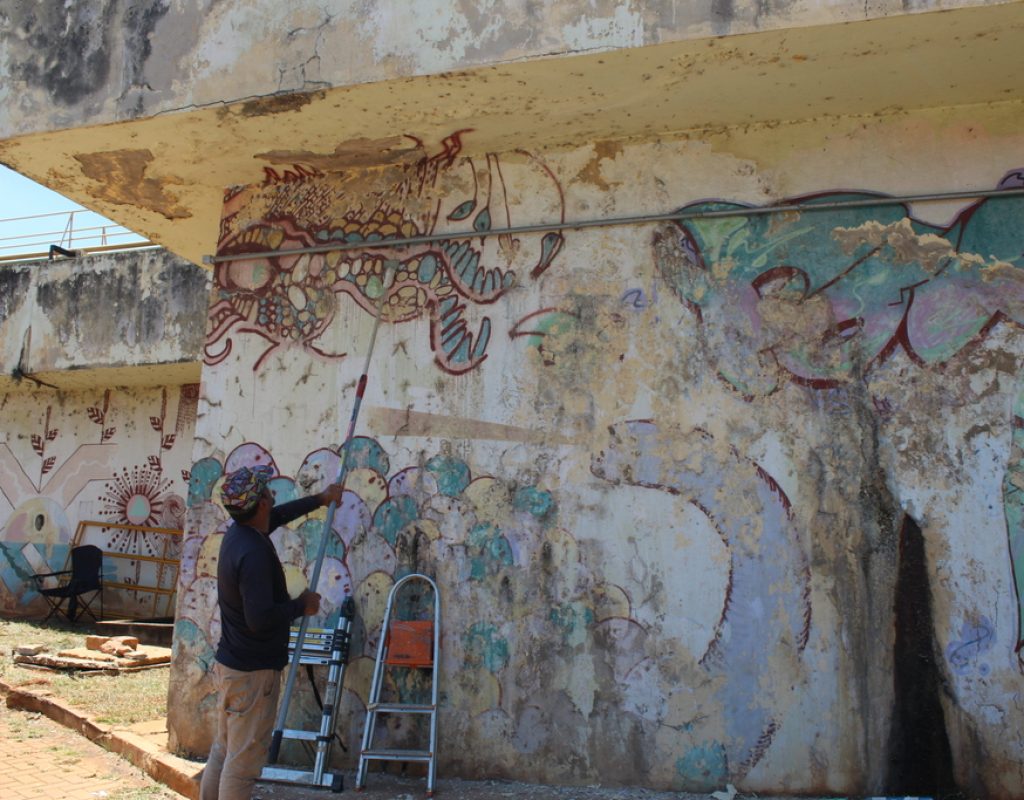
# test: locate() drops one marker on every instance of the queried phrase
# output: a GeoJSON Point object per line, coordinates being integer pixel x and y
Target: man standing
{"type": "Point", "coordinates": [255, 614]}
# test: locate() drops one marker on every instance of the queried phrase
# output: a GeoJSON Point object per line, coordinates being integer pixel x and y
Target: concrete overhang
{"type": "Point", "coordinates": [76, 380]}
{"type": "Point", "coordinates": [164, 176]}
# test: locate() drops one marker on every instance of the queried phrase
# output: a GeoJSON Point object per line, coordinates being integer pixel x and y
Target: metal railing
{"type": "Point", "coordinates": [64, 233]}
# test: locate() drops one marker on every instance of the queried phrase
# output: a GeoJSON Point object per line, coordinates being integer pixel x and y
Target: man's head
{"type": "Point", "coordinates": [243, 490]}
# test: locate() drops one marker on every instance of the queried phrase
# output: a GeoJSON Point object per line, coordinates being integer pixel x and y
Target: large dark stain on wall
{"type": "Point", "coordinates": [920, 759]}
{"type": "Point", "coordinates": [95, 308]}
{"type": "Point", "coordinates": [14, 287]}
{"type": "Point", "coordinates": [65, 48]}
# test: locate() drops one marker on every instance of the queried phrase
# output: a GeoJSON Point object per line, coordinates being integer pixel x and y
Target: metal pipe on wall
{"type": "Point", "coordinates": [673, 216]}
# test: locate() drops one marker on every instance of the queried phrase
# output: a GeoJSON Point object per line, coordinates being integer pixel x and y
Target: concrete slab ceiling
{"type": "Point", "coordinates": [164, 176]}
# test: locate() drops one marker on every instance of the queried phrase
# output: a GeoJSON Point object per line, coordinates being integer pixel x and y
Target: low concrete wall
{"type": "Point", "coordinates": [126, 311]}
{"type": "Point", "coordinates": [98, 401]}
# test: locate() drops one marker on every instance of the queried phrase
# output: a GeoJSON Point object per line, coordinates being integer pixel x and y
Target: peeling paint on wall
{"type": "Point", "coordinates": [713, 430]}
{"type": "Point", "coordinates": [120, 177]}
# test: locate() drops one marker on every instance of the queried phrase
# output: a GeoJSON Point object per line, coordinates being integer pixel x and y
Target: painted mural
{"type": "Point", "coordinates": [766, 607]}
{"type": "Point", "coordinates": [291, 299]}
{"type": "Point", "coordinates": [476, 533]}
{"type": "Point", "coordinates": [664, 505]}
{"type": "Point", "coordinates": [105, 457]}
{"type": "Point", "coordinates": [822, 298]}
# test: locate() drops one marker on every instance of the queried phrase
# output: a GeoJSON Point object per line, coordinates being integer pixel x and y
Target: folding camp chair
{"type": "Point", "coordinates": [84, 578]}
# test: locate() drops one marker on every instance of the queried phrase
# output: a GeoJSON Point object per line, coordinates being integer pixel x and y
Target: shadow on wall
{"type": "Point", "coordinates": [920, 758]}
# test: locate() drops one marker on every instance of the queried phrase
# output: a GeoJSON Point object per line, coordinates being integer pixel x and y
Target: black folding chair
{"type": "Point", "coordinates": [84, 578]}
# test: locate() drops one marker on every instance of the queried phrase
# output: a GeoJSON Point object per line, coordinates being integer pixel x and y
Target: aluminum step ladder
{"type": "Point", "coordinates": [404, 645]}
{"type": "Point", "coordinates": [320, 647]}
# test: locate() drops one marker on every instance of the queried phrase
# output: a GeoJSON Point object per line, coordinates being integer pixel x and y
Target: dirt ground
{"type": "Point", "coordinates": [381, 786]}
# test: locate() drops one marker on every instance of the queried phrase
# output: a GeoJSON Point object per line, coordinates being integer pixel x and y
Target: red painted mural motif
{"type": "Point", "coordinates": [166, 440]}
{"type": "Point", "coordinates": [140, 496]}
{"type": "Point", "coordinates": [291, 298]}
{"type": "Point", "coordinates": [98, 414]}
{"type": "Point", "coordinates": [39, 442]}
{"type": "Point", "coordinates": [134, 497]}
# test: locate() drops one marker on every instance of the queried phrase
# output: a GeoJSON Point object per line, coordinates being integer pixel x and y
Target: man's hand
{"type": "Point", "coordinates": [311, 602]}
{"type": "Point", "coordinates": [332, 494]}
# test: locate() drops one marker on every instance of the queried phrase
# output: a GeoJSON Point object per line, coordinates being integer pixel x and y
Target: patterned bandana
{"type": "Point", "coordinates": [244, 487]}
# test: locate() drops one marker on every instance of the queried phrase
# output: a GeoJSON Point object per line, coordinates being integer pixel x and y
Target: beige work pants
{"type": "Point", "coordinates": [246, 707]}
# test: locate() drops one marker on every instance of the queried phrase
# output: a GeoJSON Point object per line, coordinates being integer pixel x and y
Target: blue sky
{"type": "Point", "coordinates": [21, 197]}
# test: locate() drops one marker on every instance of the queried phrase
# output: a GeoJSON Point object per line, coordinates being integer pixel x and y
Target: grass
{"type": "Point", "coordinates": [122, 699]}
{"type": "Point", "coordinates": [140, 793]}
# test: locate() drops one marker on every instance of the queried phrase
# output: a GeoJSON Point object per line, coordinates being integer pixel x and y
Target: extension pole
{"type": "Point", "coordinates": [293, 668]}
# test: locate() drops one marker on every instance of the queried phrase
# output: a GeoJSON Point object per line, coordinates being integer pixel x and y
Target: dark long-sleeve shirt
{"type": "Point", "coordinates": [255, 609]}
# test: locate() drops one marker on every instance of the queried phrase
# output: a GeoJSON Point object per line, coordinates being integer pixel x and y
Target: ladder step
{"type": "Point", "coordinates": [292, 733]}
{"type": "Point", "coordinates": [400, 708]}
{"type": "Point", "coordinates": [397, 755]}
{"type": "Point", "coordinates": [327, 780]}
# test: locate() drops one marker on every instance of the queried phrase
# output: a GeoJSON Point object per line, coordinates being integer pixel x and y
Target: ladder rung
{"type": "Point", "coordinates": [406, 708]}
{"type": "Point", "coordinates": [292, 733]}
{"type": "Point", "coordinates": [315, 658]}
{"type": "Point", "coordinates": [397, 755]}
{"type": "Point", "coordinates": [327, 780]}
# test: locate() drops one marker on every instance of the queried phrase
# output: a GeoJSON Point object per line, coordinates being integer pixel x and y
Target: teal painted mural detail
{"type": "Point", "coordinates": [393, 515]}
{"type": "Point", "coordinates": [187, 636]}
{"type": "Point", "coordinates": [366, 453]}
{"type": "Point", "coordinates": [284, 490]}
{"type": "Point", "coordinates": [16, 573]}
{"type": "Point", "coordinates": [311, 531]}
{"type": "Point", "coordinates": [572, 620]}
{"type": "Point", "coordinates": [703, 767]}
{"type": "Point", "coordinates": [204, 474]}
{"type": "Point", "coordinates": [488, 551]}
{"type": "Point", "coordinates": [485, 646]}
{"type": "Point", "coordinates": [452, 474]}
{"type": "Point", "coordinates": [534, 501]}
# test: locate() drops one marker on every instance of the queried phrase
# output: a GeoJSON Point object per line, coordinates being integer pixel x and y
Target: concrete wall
{"type": "Point", "coordinates": [117, 311]}
{"type": "Point", "coordinates": [728, 499]}
{"type": "Point", "coordinates": [97, 412]}
{"type": "Point", "coordinates": [115, 455]}
{"type": "Point", "coordinates": [84, 63]}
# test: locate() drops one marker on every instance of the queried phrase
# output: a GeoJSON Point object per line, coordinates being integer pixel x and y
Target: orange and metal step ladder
{"type": "Point", "coordinates": [322, 647]}
{"type": "Point", "coordinates": [405, 644]}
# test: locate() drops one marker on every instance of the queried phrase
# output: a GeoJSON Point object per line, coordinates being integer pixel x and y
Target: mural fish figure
{"type": "Point", "coordinates": [292, 298]}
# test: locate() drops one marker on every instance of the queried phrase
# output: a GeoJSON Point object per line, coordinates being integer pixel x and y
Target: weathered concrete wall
{"type": "Point", "coordinates": [141, 308]}
{"type": "Point", "coordinates": [114, 455]}
{"type": "Point", "coordinates": [77, 445]}
{"type": "Point", "coordinates": [724, 499]}
{"type": "Point", "coordinates": [91, 62]}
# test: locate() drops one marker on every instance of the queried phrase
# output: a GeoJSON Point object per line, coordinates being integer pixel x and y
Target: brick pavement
{"type": "Point", "coordinates": [40, 759]}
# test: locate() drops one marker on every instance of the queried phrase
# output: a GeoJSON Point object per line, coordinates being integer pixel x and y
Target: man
{"type": "Point", "coordinates": [255, 615]}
